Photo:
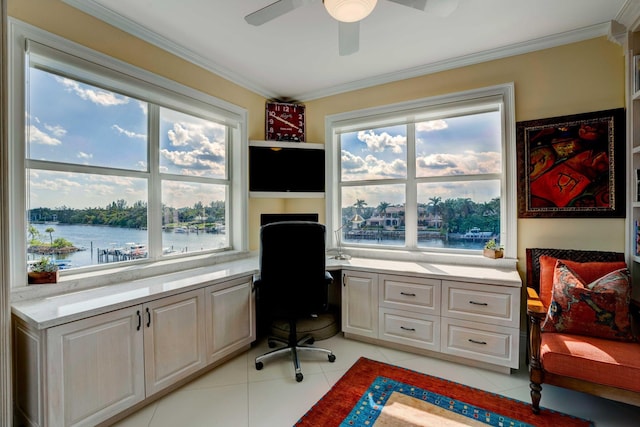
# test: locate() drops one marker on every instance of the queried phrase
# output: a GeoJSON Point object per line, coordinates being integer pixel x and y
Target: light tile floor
{"type": "Point", "coordinates": [236, 394]}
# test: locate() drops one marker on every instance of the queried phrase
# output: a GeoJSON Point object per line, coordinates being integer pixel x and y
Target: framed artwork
{"type": "Point", "coordinates": [572, 166]}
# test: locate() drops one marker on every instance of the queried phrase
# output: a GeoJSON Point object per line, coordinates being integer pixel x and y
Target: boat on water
{"type": "Point", "coordinates": [475, 233]}
{"type": "Point", "coordinates": [63, 264]}
{"type": "Point", "coordinates": [135, 250]}
{"type": "Point", "coordinates": [181, 230]}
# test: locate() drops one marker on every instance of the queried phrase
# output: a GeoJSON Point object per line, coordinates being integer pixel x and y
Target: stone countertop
{"type": "Point", "coordinates": [46, 312]}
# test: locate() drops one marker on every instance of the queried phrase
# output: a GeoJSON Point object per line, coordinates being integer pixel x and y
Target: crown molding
{"type": "Point", "coordinates": [116, 20]}
{"type": "Point", "coordinates": [629, 15]}
{"type": "Point", "coordinates": [574, 36]}
{"type": "Point", "coordinates": [98, 11]}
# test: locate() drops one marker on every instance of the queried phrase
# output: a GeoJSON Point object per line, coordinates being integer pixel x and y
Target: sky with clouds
{"type": "Point", "coordinates": [76, 123]}
{"type": "Point", "coordinates": [456, 146]}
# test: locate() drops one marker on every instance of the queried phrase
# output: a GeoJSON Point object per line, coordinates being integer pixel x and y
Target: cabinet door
{"type": "Point", "coordinates": [360, 303]}
{"type": "Point", "coordinates": [231, 321]}
{"type": "Point", "coordinates": [95, 368]}
{"type": "Point", "coordinates": [173, 339]}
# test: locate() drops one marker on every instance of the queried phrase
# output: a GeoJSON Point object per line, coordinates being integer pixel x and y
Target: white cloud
{"type": "Point", "coordinates": [381, 142]}
{"type": "Point", "coordinates": [97, 96]}
{"type": "Point", "coordinates": [129, 133]}
{"type": "Point", "coordinates": [431, 126]}
{"type": "Point", "coordinates": [83, 155]}
{"type": "Point", "coordinates": [37, 136]}
{"type": "Point", "coordinates": [370, 167]}
{"type": "Point", "coordinates": [466, 163]}
{"type": "Point", "coordinates": [56, 130]}
{"type": "Point", "coordinates": [179, 135]}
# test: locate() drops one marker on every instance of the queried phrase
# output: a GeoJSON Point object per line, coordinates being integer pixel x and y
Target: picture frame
{"type": "Point", "coordinates": [572, 166]}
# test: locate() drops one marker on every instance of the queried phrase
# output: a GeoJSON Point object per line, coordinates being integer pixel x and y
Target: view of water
{"type": "Point", "coordinates": [93, 238]}
{"type": "Point", "coordinates": [425, 243]}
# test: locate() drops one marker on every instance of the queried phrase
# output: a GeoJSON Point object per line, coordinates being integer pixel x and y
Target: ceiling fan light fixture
{"type": "Point", "coordinates": [349, 10]}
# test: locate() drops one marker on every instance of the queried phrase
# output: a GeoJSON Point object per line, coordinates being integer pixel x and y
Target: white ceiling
{"type": "Point", "coordinates": [295, 56]}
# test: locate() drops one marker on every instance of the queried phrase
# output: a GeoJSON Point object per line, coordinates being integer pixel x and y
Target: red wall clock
{"type": "Point", "coordinates": [285, 122]}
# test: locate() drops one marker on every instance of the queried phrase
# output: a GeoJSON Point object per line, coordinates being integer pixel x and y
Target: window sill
{"type": "Point", "coordinates": [80, 281]}
{"type": "Point", "coordinates": [467, 259]}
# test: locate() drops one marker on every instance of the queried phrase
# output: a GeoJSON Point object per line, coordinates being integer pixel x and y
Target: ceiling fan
{"type": "Point", "coordinates": [348, 13]}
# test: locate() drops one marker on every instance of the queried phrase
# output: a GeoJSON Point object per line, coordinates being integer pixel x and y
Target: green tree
{"type": "Point", "coordinates": [382, 208]}
{"type": "Point", "coordinates": [33, 232]}
{"type": "Point", "coordinates": [50, 230]}
{"type": "Point", "coordinates": [433, 202]}
{"type": "Point", "coordinates": [359, 204]}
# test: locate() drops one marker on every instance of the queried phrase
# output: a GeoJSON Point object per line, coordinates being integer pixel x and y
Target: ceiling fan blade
{"type": "Point", "coordinates": [348, 37]}
{"type": "Point", "coordinates": [416, 4]}
{"type": "Point", "coordinates": [442, 8]}
{"type": "Point", "coordinates": [273, 11]}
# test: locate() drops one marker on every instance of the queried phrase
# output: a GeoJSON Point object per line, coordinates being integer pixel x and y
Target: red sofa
{"type": "Point", "coordinates": [599, 366]}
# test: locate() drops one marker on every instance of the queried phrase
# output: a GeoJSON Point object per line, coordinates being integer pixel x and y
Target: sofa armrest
{"type": "Point", "coordinates": [534, 305]}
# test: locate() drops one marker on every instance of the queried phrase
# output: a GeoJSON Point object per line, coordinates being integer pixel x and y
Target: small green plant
{"type": "Point", "coordinates": [491, 244]}
{"type": "Point", "coordinates": [45, 265]}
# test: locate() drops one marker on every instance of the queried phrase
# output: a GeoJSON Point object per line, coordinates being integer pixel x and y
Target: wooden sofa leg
{"type": "Point", "coordinates": [536, 373]}
{"type": "Point", "coordinates": [535, 397]}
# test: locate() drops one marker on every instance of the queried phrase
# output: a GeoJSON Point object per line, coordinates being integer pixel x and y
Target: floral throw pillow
{"type": "Point", "coordinates": [600, 308]}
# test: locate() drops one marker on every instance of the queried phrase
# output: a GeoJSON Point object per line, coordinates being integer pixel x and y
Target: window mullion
{"type": "Point", "coordinates": [411, 207]}
{"type": "Point", "coordinates": [154, 208]}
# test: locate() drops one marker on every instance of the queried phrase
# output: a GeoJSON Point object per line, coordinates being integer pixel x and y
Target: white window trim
{"type": "Point", "coordinates": [387, 114]}
{"type": "Point", "coordinates": [19, 34]}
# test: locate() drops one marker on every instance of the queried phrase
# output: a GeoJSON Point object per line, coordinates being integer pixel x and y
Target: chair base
{"type": "Point", "coordinates": [293, 350]}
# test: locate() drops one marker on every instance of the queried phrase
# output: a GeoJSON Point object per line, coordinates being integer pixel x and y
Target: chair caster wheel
{"type": "Point", "coordinates": [299, 377]}
{"type": "Point", "coordinates": [259, 365]}
{"type": "Point", "coordinates": [332, 358]}
{"type": "Point", "coordinates": [310, 341]}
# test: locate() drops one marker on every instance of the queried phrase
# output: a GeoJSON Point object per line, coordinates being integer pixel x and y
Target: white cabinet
{"type": "Point", "coordinates": [230, 320]}
{"type": "Point", "coordinates": [409, 311]}
{"type": "Point", "coordinates": [89, 370]}
{"type": "Point", "coordinates": [473, 321]}
{"type": "Point", "coordinates": [174, 339]}
{"type": "Point", "coordinates": [94, 368]}
{"type": "Point", "coordinates": [360, 303]}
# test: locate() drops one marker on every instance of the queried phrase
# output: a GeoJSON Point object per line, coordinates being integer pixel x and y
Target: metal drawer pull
{"type": "Point", "coordinates": [477, 342]}
{"type": "Point", "coordinates": [408, 329]}
{"type": "Point", "coordinates": [407, 294]}
{"type": "Point", "coordinates": [478, 303]}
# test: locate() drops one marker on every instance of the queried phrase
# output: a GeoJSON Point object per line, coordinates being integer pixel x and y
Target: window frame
{"type": "Point", "coordinates": [411, 112]}
{"type": "Point", "coordinates": [89, 66]}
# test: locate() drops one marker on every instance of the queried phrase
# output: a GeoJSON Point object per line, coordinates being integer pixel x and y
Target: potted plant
{"type": "Point", "coordinates": [492, 249]}
{"type": "Point", "coordinates": [43, 271]}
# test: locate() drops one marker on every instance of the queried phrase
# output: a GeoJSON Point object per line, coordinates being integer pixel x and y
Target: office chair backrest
{"type": "Point", "coordinates": [292, 268]}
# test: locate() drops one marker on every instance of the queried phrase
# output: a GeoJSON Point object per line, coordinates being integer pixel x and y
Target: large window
{"type": "Point", "coordinates": [117, 165]}
{"type": "Point", "coordinates": [426, 176]}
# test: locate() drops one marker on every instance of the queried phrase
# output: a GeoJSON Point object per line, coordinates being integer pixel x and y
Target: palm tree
{"type": "Point", "coordinates": [359, 204]}
{"type": "Point", "coordinates": [50, 230]}
{"type": "Point", "coordinates": [382, 208]}
{"type": "Point", "coordinates": [434, 202]}
{"type": "Point", "coordinates": [33, 232]}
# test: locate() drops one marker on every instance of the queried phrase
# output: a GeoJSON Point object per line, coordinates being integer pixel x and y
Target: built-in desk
{"type": "Point", "coordinates": [88, 356]}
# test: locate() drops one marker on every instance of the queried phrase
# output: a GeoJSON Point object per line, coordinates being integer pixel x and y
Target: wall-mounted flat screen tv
{"type": "Point", "coordinates": [285, 169]}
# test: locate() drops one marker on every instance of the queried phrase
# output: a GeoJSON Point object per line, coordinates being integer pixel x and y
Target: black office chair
{"type": "Point", "coordinates": [293, 283]}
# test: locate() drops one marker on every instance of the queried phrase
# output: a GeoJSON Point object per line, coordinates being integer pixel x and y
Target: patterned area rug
{"type": "Point", "coordinates": [375, 394]}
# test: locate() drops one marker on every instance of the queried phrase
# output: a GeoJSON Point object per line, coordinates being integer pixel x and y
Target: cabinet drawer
{"type": "Point", "coordinates": [498, 305]}
{"type": "Point", "coordinates": [485, 343]}
{"type": "Point", "coordinates": [416, 294]}
{"type": "Point", "coordinates": [414, 329]}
